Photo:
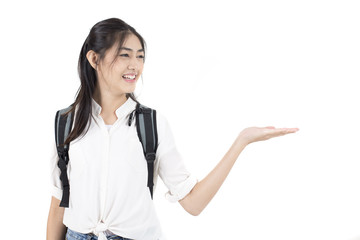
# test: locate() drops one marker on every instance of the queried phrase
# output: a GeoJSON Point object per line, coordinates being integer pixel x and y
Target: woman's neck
{"type": "Point", "coordinates": [109, 104]}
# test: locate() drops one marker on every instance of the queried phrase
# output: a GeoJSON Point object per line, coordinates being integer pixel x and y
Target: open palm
{"type": "Point", "coordinates": [255, 134]}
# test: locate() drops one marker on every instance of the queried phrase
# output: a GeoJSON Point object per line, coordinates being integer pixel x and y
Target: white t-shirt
{"type": "Point", "coordinates": [107, 172]}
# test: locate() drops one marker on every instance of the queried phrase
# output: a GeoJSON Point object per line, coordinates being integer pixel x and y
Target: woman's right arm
{"type": "Point", "coordinates": [56, 230]}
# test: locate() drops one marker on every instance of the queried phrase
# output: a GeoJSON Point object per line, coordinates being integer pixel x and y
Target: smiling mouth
{"type": "Point", "coordinates": [129, 77]}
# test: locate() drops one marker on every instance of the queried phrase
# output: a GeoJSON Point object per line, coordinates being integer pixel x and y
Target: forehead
{"type": "Point", "coordinates": [133, 42]}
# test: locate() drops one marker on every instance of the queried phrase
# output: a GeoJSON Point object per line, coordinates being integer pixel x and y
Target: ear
{"type": "Point", "coordinates": [92, 57]}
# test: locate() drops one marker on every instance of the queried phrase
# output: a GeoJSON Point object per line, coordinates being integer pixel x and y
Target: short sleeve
{"type": "Point", "coordinates": [56, 189]}
{"type": "Point", "coordinates": [172, 169]}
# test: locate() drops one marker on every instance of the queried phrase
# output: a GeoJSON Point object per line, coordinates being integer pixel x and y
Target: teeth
{"type": "Point", "coordinates": [129, 76]}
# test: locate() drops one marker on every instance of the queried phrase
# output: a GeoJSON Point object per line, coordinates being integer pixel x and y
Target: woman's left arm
{"type": "Point", "coordinates": [205, 190]}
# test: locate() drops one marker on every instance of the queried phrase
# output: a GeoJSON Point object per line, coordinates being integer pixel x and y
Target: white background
{"type": "Point", "coordinates": [213, 69]}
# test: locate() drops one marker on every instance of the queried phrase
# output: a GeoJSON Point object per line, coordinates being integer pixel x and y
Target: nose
{"type": "Point", "coordinates": [133, 64]}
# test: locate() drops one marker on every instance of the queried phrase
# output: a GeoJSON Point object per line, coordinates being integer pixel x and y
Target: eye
{"type": "Point", "coordinates": [141, 56]}
{"type": "Point", "coordinates": [124, 55]}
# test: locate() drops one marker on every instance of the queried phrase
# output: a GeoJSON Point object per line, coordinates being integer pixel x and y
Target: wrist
{"type": "Point", "coordinates": [242, 140]}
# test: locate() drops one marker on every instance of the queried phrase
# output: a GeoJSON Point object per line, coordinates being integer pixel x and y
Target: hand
{"type": "Point", "coordinates": [255, 134]}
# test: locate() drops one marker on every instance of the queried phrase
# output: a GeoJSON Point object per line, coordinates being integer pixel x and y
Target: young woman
{"type": "Point", "coordinates": [109, 197]}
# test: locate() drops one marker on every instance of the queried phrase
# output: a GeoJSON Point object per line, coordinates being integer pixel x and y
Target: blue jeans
{"type": "Point", "coordinates": [72, 235]}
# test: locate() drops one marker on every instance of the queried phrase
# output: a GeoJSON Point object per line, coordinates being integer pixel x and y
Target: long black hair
{"type": "Point", "coordinates": [103, 35]}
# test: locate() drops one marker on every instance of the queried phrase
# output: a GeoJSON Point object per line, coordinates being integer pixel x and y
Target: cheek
{"type": "Point", "coordinates": [113, 73]}
{"type": "Point", "coordinates": [119, 68]}
{"type": "Point", "coordinates": [104, 70]}
{"type": "Point", "coordinates": [140, 68]}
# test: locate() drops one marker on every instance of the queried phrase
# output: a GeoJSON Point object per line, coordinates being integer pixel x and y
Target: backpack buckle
{"type": "Point", "coordinates": [150, 157]}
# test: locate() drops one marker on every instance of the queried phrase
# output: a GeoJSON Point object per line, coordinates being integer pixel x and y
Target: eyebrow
{"type": "Point", "coordinates": [129, 49]}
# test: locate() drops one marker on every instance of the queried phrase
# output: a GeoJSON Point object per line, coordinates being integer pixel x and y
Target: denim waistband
{"type": "Point", "coordinates": [73, 235]}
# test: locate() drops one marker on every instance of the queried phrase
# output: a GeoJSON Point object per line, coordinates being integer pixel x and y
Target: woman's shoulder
{"type": "Point", "coordinates": [160, 117]}
{"type": "Point", "coordinates": [162, 121]}
{"type": "Point", "coordinates": [163, 126]}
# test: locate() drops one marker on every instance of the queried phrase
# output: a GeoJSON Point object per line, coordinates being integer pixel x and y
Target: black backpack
{"type": "Point", "coordinates": [146, 130]}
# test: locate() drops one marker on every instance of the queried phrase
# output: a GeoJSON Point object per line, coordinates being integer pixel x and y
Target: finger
{"type": "Point", "coordinates": [291, 130]}
{"type": "Point", "coordinates": [282, 131]}
{"type": "Point", "coordinates": [287, 129]}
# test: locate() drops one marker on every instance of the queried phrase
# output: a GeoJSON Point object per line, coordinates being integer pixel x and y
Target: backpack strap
{"type": "Point", "coordinates": [147, 133]}
{"type": "Point", "coordinates": [63, 125]}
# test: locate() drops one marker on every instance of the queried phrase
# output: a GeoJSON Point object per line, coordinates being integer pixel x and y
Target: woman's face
{"type": "Point", "coordinates": [120, 76]}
